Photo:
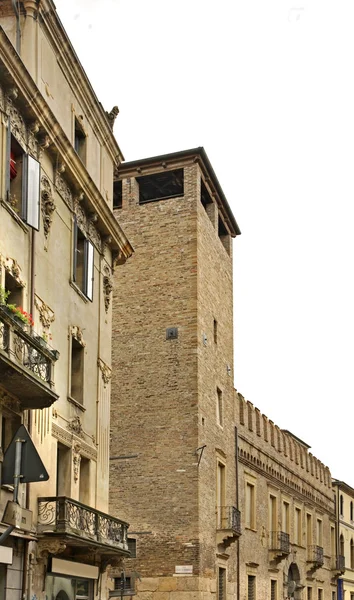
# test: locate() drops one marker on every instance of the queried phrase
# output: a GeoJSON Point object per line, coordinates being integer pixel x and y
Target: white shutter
{"type": "Point", "coordinates": [89, 270]}
{"type": "Point", "coordinates": [32, 187]}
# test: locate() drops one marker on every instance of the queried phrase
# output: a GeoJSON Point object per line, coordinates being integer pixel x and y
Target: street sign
{"type": "Point", "coordinates": [20, 518]}
{"type": "Point", "coordinates": [32, 468]}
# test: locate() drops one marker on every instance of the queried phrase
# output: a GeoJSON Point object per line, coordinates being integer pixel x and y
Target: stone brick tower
{"type": "Point", "coordinates": [173, 468]}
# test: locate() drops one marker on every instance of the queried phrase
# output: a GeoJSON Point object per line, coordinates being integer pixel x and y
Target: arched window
{"type": "Point", "coordinates": [341, 545]}
{"type": "Point", "coordinates": [351, 554]}
{"type": "Point", "coordinates": [351, 511]}
{"type": "Point", "coordinates": [341, 505]}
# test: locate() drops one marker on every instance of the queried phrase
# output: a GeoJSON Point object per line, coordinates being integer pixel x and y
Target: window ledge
{"type": "Point", "coordinates": [77, 289]}
{"type": "Point", "coordinates": [14, 215]}
{"type": "Point", "coordinates": [76, 403]}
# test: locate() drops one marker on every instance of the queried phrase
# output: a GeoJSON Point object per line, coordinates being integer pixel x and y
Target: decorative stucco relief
{"type": "Point", "coordinates": [75, 425]}
{"type": "Point", "coordinates": [106, 371]}
{"type": "Point", "coordinates": [69, 439]}
{"type": "Point", "coordinates": [107, 287]}
{"type": "Point", "coordinates": [47, 204]}
{"type": "Point", "coordinates": [63, 189]}
{"type": "Point", "coordinates": [11, 266]}
{"type": "Point", "coordinates": [46, 314]}
{"type": "Point", "coordinates": [77, 333]}
{"type": "Point", "coordinates": [17, 123]}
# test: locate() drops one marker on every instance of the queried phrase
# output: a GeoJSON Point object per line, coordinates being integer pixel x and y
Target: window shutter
{"type": "Point", "coordinates": [89, 269]}
{"type": "Point", "coordinates": [31, 191]}
{"type": "Point", "coordinates": [8, 154]}
{"type": "Point", "coordinates": [75, 251]}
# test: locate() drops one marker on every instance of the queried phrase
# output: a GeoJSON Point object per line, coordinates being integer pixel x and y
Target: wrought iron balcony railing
{"type": "Point", "coordinates": [279, 541]}
{"type": "Point", "coordinates": [315, 555]}
{"type": "Point", "coordinates": [229, 517]}
{"type": "Point", "coordinates": [338, 563]}
{"type": "Point", "coordinates": [81, 524]}
{"type": "Point", "coordinates": [26, 363]}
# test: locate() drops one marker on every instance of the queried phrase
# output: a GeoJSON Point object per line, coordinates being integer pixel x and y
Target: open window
{"type": "Point", "coordinates": [15, 289]}
{"type": "Point", "coordinates": [80, 140]}
{"type": "Point", "coordinates": [117, 194]}
{"type": "Point", "coordinates": [83, 262]}
{"type": "Point", "coordinates": [77, 371]}
{"type": "Point", "coordinates": [161, 186]}
{"type": "Point", "coordinates": [22, 182]}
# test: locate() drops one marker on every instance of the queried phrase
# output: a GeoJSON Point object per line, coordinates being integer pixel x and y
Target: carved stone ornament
{"type": "Point", "coordinates": [46, 314]}
{"type": "Point", "coordinates": [63, 189]}
{"type": "Point", "coordinates": [107, 287]}
{"type": "Point", "coordinates": [77, 333]}
{"type": "Point", "coordinates": [87, 223]}
{"type": "Point", "coordinates": [106, 371]}
{"type": "Point", "coordinates": [10, 402]}
{"type": "Point", "coordinates": [17, 123]}
{"type": "Point", "coordinates": [2, 105]}
{"type": "Point", "coordinates": [11, 266]}
{"type": "Point", "coordinates": [111, 116]}
{"type": "Point", "coordinates": [76, 465]}
{"type": "Point", "coordinates": [75, 425]}
{"type": "Point", "coordinates": [47, 204]}
{"type": "Point", "coordinates": [46, 547]}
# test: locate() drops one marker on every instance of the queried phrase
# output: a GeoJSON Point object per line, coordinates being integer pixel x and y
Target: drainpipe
{"type": "Point", "coordinates": [237, 505]}
{"type": "Point", "coordinates": [32, 274]}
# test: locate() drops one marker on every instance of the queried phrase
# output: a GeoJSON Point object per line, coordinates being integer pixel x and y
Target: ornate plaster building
{"type": "Point", "coordinates": [173, 468]}
{"type": "Point", "coordinates": [288, 543]}
{"type": "Point", "coordinates": [344, 503]}
{"type": "Point", "coordinates": [59, 244]}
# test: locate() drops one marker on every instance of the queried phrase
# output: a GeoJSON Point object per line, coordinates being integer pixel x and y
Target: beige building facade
{"type": "Point", "coordinates": [59, 244]}
{"type": "Point", "coordinates": [173, 470]}
{"type": "Point", "coordinates": [344, 503]}
{"type": "Point", "coordinates": [288, 542]}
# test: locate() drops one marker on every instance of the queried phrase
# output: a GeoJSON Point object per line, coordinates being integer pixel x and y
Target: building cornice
{"type": "Point", "coordinates": [35, 108]}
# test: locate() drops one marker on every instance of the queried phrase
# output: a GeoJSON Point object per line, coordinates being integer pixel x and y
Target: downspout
{"type": "Point", "coordinates": [237, 505]}
{"type": "Point", "coordinates": [25, 571]}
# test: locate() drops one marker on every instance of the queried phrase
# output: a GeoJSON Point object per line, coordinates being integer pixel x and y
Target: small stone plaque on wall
{"type": "Point", "coordinates": [184, 569]}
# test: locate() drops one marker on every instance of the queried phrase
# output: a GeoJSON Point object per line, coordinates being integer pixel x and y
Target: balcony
{"type": "Point", "coordinates": [26, 363]}
{"type": "Point", "coordinates": [81, 526]}
{"type": "Point", "coordinates": [315, 556]}
{"type": "Point", "coordinates": [228, 526]}
{"type": "Point", "coordinates": [279, 543]}
{"type": "Point", "coordinates": [338, 564]}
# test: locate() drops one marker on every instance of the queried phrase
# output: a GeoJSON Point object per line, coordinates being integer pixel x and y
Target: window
{"type": "Point", "coordinates": [351, 511]}
{"type": "Point", "coordinates": [351, 554]}
{"type": "Point", "coordinates": [84, 488]}
{"type": "Point", "coordinates": [320, 594]}
{"type": "Point", "coordinates": [22, 182]}
{"type": "Point", "coordinates": [15, 289]}
{"type": "Point", "coordinates": [83, 262]}
{"type": "Point", "coordinates": [219, 407]}
{"type": "Point", "coordinates": [63, 470]}
{"type": "Point", "coordinates": [117, 194]}
{"type": "Point", "coordinates": [341, 505]}
{"type": "Point", "coordinates": [251, 587]}
{"type": "Point", "coordinates": [273, 589]}
{"type": "Point", "coordinates": [215, 331]}
{"type": "Point", "coordinates": [309, 593]}
{"type": "Point", "coordinates": [333, 542]}
{"type": "Point", "coordinates": [319, 533]}
{"type": "Point", "coordinates": [132, 547]}
{"type": "Point", "coordinates": [221, 583]}
{"type": "Point", "coordinates": [77, 371]}
{"type": "Point", "coordinates": [161, 186]}
{"type": "Point", "coordinates": [123, 586]}
{"type": "Point", "coordinates": [250, 506]}
{"type": "Point", "coordinates": [341, 545]}
{"type": "Point", "coordinates": [297, 526]}
{"type": "Point", "coordinates": [220, 495]}
{"type": "Point", "coordinates": [309, 529]}
{"type": "Point", "coordinates": [224, 235]}
{"type": "Point", "coordinates": [286, 517]}
{"type": "Point", "coordinates": [80, 140]}
{"type": "Point", "coordinates": [272, 519]}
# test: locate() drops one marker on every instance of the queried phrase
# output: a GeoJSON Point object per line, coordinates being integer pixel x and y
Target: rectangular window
{"type": "Point", "coordinates": [83, 262]}
{"type": "Point", "coordinates": [250, 506]}
{"type": "Point", "coordinates": [286, 517]}
{"type": "Point", "coordinates": [308, 529]}
{"type": "Point", "coordinates": [161, 186]}
{"type": "Point", "coordinates": [63, 470]}
{"type": "Point", "coordinates": [273, 589]}
{"type": "Point", "coordinates": [117, 194]}
{"type": "Point", "coordinates": [272, 515]}
{"type": "Point", "coordinates": [221, 583]}
{"type": "Point", "coordinates": [77, 371]}
{"type": "Point", "coordinates": [319, 533]}
{"type": "Point", "coordinates": [80, 141]}
{"type": "Point", "coordinates": [220, 494]}
{"type": "Point", "coordinates": [320, 594]}
{"type": "Point", "coordinates": [297, 526]}
{"type": "Point", "coordinates": [123, 586]}
{"type": "Point", "coordinates": [224, 235]}
{"type": "Point", "coordinates": [23, 174]}
{"type": "Point", "coordinates": [215, 331]}
{"type": "Point", "coordinates": [333, 542]}
{"type": "Point", "coordinates": [85, 487]}
{"type": "Point", "coordinates": [309, 593]}
{"type": "Point", "coordinates": [219, 407]}
{"type": "Point", "coordinates": [15, 289]}
{"type": "Point", "coordinates": [251, 587]}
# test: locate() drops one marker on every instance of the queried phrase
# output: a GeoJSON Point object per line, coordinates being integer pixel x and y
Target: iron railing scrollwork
{"type": "Point", "coordinates": [32, 358]}
{"type": "Point", "coordinates": [339, 563]}
{"type": "Point", "coordinates": [64, 515]}
{"type": "Point", "coordinates": [316, 554]}
{"type": "Point", "coordinates": [4, 336]}
{"type": "Point", "coordinates": [280, 541]}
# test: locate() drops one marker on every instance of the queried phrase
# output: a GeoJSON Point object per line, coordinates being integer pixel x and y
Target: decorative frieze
{"type": "Point", "coordinates": [63, 189]}
{"type": "Point", "coordinates": [75, 425]}
{"type": "Point", "coordinates": [47, 204]}
{"type": "Point", "coordinates": [77, 333]}
{"type": "Point", "coordinates": [69, 438]}
{"type": "Point", "coordinates": [107, 287]}
{"type": "Point", "coordinates": [106, 371]}
{"type": "Point", "coordinates": [17, 123]}
{"type": "Point", "coordinates": [46, 314]}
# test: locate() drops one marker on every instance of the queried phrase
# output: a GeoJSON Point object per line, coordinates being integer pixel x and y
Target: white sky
{"type": "Point", "coordinates": [266, 86]}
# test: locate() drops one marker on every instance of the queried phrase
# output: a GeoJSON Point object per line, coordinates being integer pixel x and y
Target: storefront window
{"type": "Point", "coordinates": [68, 588]}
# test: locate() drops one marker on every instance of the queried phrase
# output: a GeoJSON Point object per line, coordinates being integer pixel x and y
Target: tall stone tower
{"type": "Point", "coordinates": [173, 468]}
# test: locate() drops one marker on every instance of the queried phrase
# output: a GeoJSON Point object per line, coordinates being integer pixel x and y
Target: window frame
{"type": "Point", "coordinates": [87, 287]}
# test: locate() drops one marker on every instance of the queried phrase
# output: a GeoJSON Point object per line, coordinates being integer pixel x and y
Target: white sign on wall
{"type": "Point", "coordinates": [184, 569]}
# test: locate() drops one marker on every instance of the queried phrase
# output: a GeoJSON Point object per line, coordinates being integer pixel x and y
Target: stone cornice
{"type": "Point", "coordinates": [36, 109]}
{"type": "Point", "coordinates": [75, 74]}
